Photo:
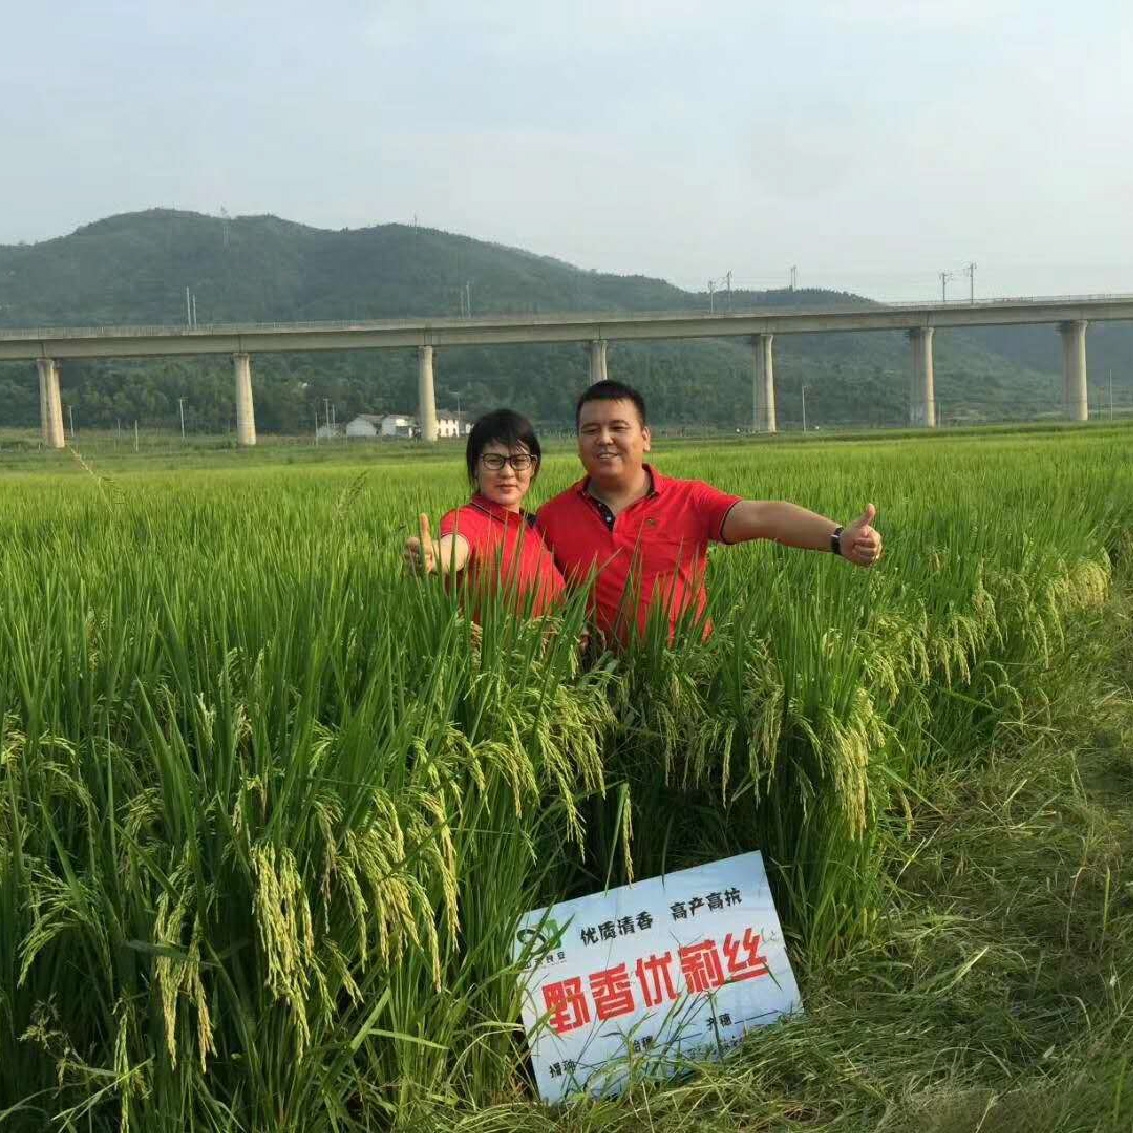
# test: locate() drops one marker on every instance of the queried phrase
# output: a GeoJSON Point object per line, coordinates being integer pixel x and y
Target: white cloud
{"type": "Point", "coordinates": [889, 139]}
{"type": "Point", "coordinates": [927, 15]}
{"type": "Point", "coordinates": [507, 25]}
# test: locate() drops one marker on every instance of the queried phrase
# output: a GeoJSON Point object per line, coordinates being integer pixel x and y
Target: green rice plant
{"type": "Point", "coordinates": [269, 810]}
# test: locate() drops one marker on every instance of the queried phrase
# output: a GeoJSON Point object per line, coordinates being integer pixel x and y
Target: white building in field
{"type": "Point", "coordinates": [364, 425]}
{"type": "Point", "coordinates": [369, 425]}
{"type": "Point", "coordinates": [403, 425]}
{"type": "Point", "coordinates": [399, 425]}
{"type": "Point", "coordinates": [452, 424]}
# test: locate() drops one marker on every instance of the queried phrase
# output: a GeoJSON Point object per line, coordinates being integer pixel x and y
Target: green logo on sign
{"type": "Point", "coordinates": [547, 935]}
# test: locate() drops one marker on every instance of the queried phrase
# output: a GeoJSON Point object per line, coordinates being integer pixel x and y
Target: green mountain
{"type": "Point", "coordinates": [135, 268]}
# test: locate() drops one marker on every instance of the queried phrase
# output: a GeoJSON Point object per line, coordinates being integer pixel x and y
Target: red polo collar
{"type": "Point", "coordinates": [491, 508]}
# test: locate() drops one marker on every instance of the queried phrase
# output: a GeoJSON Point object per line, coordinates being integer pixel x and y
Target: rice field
{"type": "Point", "coordinates": [269, 810]}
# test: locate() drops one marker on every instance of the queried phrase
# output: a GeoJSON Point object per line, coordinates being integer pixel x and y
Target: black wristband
{"type": "Point", "coordinates": [836, 540]}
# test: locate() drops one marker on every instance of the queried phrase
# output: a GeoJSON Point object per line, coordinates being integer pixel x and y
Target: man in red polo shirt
{"type": "Point", "coordinates": [641, 538]}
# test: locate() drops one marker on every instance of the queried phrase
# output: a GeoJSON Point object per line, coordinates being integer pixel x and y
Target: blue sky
{"type": "Point", "coordinates": [874, 143]}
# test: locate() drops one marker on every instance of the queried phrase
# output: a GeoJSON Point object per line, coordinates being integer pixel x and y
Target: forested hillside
{"type": "Point", "coordinates": [135, 268]}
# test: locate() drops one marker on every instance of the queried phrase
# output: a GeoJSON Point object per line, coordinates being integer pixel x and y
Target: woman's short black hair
{"type": "Point", "coordinates": [505, 427]}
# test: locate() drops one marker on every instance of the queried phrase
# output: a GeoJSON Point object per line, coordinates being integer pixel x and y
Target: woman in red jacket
{"type": "Point", "coordinates": [491, 541]}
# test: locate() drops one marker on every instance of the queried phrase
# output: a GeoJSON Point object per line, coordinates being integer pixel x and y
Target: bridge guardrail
{"type": "Point", "coordinates": [210, 329]}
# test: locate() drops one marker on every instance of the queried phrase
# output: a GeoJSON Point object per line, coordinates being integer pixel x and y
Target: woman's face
{"type": "Point", "coordinates": [505, 486]}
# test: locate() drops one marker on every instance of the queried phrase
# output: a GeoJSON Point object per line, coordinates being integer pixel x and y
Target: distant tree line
{"type": "Point", "coordinates": [134, 268]}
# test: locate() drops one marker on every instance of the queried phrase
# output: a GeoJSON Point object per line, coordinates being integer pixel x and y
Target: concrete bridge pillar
{"type": "Point", "coordinates": [43, 365]}
{"type": "Point", "coordinates": [1074, 396]}
{"type": "Point", "coordinates": [598, 371]}
{"type": "Point", "coordinates": [50, 403]}
{"type": "Point", "coordinates": [245, 409]}
{"type": "Point", "coordinates": [426, 399]}
{"type": "Point", "coordinates": [922, 404]}
{"type": "Point", "coordinates": [763, 385]}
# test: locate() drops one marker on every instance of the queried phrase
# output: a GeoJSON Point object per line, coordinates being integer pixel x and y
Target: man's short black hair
{"type": "Point", "coordinates": [502, 426]}
{"type": "Point", "coordinates": [610, 391]}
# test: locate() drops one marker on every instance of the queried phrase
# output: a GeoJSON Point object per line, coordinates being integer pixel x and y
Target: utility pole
{"type": "Point", "coordinates": [728, 279]}
{"type": "Point", "coordinates": [712, 296]}
{"type": "Point", "coordinates": [1111, 395]}
{"type": "Point", "coordinates": [71, 419]}
{"type": "Point", "coordinates": [316, 426]}
{"type": "Point", "coordinates": [468, 296]}
{"type": "Point", "coordinates": [970, 272]}
{"type": "Point", "coordinates": [135, 436]}
{"type": "Point", "coordinates": [793, 277]}
{"type": "Point", "coordinates": [188, 308]}
{"type": "Point", "coordinates": [333, 422]}
{"type": "Point", "coordinates": [194, 310]}
{"type": "Point", "coordinates": [804, 408]}
{"type": "Point", "coordinates": [181, 410]}
{"type": "Point", "coordinates": [326, 412]}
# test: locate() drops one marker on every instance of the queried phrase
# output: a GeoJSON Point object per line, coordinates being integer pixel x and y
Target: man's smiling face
{"type": "Point", "coordinates": [612, 441]}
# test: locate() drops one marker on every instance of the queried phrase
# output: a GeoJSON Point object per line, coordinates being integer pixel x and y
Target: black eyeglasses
{"type": "Point", "coordinates": [520, 461]}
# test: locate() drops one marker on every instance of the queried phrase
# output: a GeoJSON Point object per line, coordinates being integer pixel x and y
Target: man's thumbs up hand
{"type": "Point", "coordinates": [861, 544]}
{"type": "Point", "coordinates": [421, 551]}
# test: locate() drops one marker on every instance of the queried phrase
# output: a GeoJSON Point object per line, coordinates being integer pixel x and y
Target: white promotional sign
{"type": "Point", "coordinates": [643, 977]}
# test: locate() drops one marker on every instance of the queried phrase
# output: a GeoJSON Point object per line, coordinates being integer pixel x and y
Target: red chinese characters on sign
{"type": "Point", "coordinates": [567, 1004]}
{"type": "Point", "coordinates": [655, 979]}
{"type": "Point", "coordinates": [700, 966]}
{"type": "Point", "coordinates": [751, 966]}
{"type": "Point", "coordinates": [612, 989]}
{"type": "Point", "coordinates": [612, 994]}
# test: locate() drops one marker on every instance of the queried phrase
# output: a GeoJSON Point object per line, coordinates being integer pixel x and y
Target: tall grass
{"type": "Point", "coordinates": [269, 810]}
